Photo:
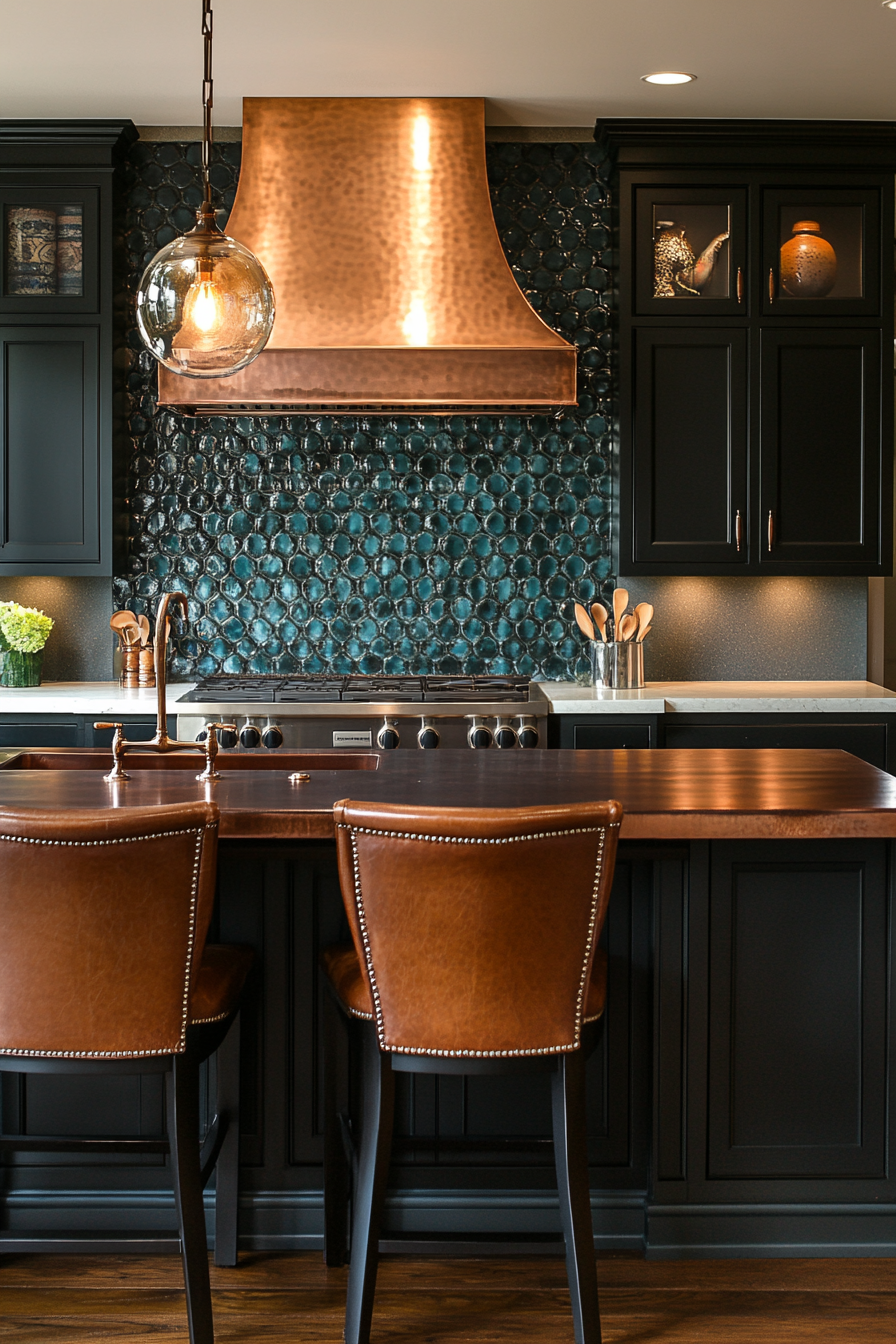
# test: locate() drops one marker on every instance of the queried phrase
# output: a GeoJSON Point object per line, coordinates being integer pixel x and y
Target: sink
{"type": "Point", "coordinates": [99, 758]}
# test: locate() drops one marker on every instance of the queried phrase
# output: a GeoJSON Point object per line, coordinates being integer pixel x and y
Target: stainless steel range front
{"type": "Point", "coordinates": [383, 712]}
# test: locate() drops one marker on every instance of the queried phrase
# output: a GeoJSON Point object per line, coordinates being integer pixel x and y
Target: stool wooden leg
{"type": "Point", "coordinates": [183, 1135]}
{"type": "Point", "coordinates": [227, 1169]}
{"type": "Point", "coordinates": [336, 1178]}
{"type": "Point", "coordinates": [571, 1157]}
{"type": "Point", "coordinates": [373, 1174]}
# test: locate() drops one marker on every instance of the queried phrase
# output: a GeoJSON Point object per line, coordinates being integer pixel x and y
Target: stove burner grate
{"type": "Point", "coordinates": [315, 688]}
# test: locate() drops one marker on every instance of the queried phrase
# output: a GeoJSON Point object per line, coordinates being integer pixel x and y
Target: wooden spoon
{"type": "Point", "coordinates": [143, 623]}
{"type": "Point", "coordinates": [644, 613]}
{"type": "Point", "coordinates": [583, 621]}
{"type": "Point", "coordinates": [620, 602]}
{"type": "Point", "coordinates": [641, 633]}
{"type": "Point", "coordinates": [124, 623]}
{"type": "Point", "coordinates": [601, 616]}
{"type": "Point", "coordinates": [629, 627]}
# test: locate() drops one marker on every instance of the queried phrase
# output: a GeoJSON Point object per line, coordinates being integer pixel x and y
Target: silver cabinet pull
{"type": "Point", "coordinates": [738, 529]}
{"type": "Point", "coordinates": [771, 285]}
{"type": "Point", "coordinates": [771, 529]}
{"type": "Point", "coordinates": [740, 285]}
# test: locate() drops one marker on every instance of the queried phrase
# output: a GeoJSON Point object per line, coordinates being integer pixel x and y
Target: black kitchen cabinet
{"type": "Point", "coordinates": [73, 730]}
{"type": "Point", "coordinates": [871, 737]}
{"type": "Point", "coordinates": [820, 449]}
{"type": "Point", "coordinates": [56, 340]}
{"type": "Point", "coordinates": [756, 331]}
{"type": "Point", "coordinates": [689, 453]}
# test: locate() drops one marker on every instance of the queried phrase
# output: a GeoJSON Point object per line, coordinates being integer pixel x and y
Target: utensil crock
{"type": "Point", "coordinates": [620, 667]}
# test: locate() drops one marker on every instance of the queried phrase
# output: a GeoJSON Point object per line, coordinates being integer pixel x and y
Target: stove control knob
{"type": "Point", "coordinates": [250, 737]}
{"type": "Point", "coordinates": [428, 736]}
{"type": "Point", "coordinates": [200, 737]}
{"type": "Point", "coordinates": [388, 738]}
{"type": "Point", "coordinates": [505, 734]}
{"type": "Point", "coordinates": [227, 738]}
{"type": "Point", "coordinates": [479, 735]}
{"type": "Point", "coordinates": [527, 732]}
{"type": "Point", "coordinates": [272, 736]}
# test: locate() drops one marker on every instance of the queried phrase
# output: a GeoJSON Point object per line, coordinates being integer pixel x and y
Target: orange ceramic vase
{"type": "Point", "coordinates": [808, 262]}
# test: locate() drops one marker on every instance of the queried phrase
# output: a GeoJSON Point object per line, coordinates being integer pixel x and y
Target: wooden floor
{"type": "Point", "coordinates": [285, 1299]}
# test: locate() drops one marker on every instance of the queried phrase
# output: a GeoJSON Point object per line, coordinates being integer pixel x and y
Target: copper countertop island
{"type": "Point", "coordinates": [667, 795]}
{"type": "Point", "coordinates": [741, 1098]}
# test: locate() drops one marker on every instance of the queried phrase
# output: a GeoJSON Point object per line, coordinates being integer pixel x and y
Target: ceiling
{"type": "Point", "coordinates": [538, 62]}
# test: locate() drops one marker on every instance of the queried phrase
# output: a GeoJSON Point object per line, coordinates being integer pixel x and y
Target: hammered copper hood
{"type": "Point", "coordinates": [373, 220]}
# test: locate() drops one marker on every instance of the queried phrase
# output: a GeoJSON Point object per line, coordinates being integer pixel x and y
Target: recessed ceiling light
{"type": "Point", "coordinates": [678, 76]}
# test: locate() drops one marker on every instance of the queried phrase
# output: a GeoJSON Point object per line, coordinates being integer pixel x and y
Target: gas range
{"type": "Point", "coordinates": [385, 712]}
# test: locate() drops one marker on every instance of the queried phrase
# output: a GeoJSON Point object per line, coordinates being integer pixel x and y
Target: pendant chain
{"type": "Point", "coordinates": [207, 99]}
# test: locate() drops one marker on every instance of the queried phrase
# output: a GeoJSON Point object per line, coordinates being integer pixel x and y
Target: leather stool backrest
{"type": "Point", "coordinates": [103, 917]}
{"type": "Point", "coordinates": [477, 927]}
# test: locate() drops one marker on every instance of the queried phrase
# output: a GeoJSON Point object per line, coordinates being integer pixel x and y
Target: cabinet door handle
{"type": "Point", "coordinates": [771, 285]}
{"type": "Point", "coordinates": [739, 529]}
{"type": "Point", "coordinates": [771, 529]}
{"type": "Point", "coordinates": [740, 285]}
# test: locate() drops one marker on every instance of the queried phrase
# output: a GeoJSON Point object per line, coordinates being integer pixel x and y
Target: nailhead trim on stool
{"type": "Point", "coordinates": [472, 840]}
{"type": "Point", "coordinates": [128, 840]}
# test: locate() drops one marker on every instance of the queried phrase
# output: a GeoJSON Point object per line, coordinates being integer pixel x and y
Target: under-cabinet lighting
{"type": "Point", "coordinates": [677, 76]}
{"type": "Point", "coordinates": [888, 4]}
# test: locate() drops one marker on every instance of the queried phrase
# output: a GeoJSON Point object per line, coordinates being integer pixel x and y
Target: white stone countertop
{"type": "Point", "coordinates": [106, 698]}
{"type": "Point", "coordinates": [719, 697]}
{"type": "Point", "coordinates": [87, 697]}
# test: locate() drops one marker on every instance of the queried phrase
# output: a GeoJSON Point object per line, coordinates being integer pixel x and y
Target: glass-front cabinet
{"type": "Point", "coordinates": [49, 255]}
{"type": "Point", "coordinates": [57, 471]}
{"type": "Point", "coordinates": [821, 252]}
{"type": "Point", "coordinates": [756, 346]}
{"type": "Point", "coordinates": [691, 250]}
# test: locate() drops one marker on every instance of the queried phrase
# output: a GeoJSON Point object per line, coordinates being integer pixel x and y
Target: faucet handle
{"type": "Point", "coordinates": [211, 748]}
{"type": "Point", "coordinates": [109, 725]}
{"type": "Point", "coordinates": [220, 728]}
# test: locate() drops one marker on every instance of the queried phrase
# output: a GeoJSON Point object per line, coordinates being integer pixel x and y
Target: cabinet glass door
{"type": "Point", "coordinates": [690, 250]}
{"type": "Point", "coordinates": [820, 252]}
{"type": "Point", "coordinates": [48, 243]}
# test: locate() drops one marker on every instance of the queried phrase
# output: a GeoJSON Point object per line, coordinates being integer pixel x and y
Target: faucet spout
{"type": "Point", "coordinates": [163, 633]}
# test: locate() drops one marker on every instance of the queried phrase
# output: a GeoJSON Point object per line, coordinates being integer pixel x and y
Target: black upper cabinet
{"type": "Point", "coordinates": [756, 339]}
{"type": "Point", "coordinates": [56, 341]}
{"type": "Point", "coordinates": [689, 460]}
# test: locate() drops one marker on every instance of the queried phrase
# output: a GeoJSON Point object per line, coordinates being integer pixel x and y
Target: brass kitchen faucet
{"type": "Point", "coordinates": [161, 742]}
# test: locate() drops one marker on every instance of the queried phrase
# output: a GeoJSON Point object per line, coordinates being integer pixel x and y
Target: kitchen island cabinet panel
{"type": "Point", "coordinates": [797, 1078]}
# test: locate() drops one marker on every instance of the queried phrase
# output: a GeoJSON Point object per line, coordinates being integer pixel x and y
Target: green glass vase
{"type": "Point", "coordinates": [20, 669]}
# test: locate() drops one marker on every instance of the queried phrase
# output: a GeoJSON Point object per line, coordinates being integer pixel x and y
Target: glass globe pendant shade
{"type": "Point", "coordinates": [205, 306]}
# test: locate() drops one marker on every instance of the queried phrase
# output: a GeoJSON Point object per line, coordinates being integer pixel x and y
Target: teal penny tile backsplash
{"type": "Point", "coordinates": [380, 544]}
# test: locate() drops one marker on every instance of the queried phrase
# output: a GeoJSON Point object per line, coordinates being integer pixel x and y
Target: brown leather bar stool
{"type": "Point", "coordinates": [474, 950]}
{"type": "Point", "coordinates": [104, 968]}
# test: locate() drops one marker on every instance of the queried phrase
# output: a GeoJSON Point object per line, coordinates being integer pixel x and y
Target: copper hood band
{"type": "Point", "coordinates": [373, 219]}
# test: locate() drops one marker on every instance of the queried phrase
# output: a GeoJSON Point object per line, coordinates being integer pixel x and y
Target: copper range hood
{"type": "Point", "coordinates": [373, 219]}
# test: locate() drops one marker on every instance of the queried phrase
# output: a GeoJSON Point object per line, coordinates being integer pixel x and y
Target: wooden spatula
{"type": "Point", "coordinates": [600, 616]}
{"type": "Point", "coordinates": [620, 602]}
{"type": "Point", "coordinates": [629, 627]}
{"type": "Point", "coordinates": [583, 621]}
{"type": "Point", "coordinates": [644, 613]}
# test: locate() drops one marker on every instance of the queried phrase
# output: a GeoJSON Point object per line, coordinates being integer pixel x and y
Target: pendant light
{"type": "Point", "coordinates": [205, 306]}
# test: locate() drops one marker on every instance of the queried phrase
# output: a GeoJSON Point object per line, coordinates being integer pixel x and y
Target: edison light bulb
{"type": "Point", "coordinates": [205, 306]}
